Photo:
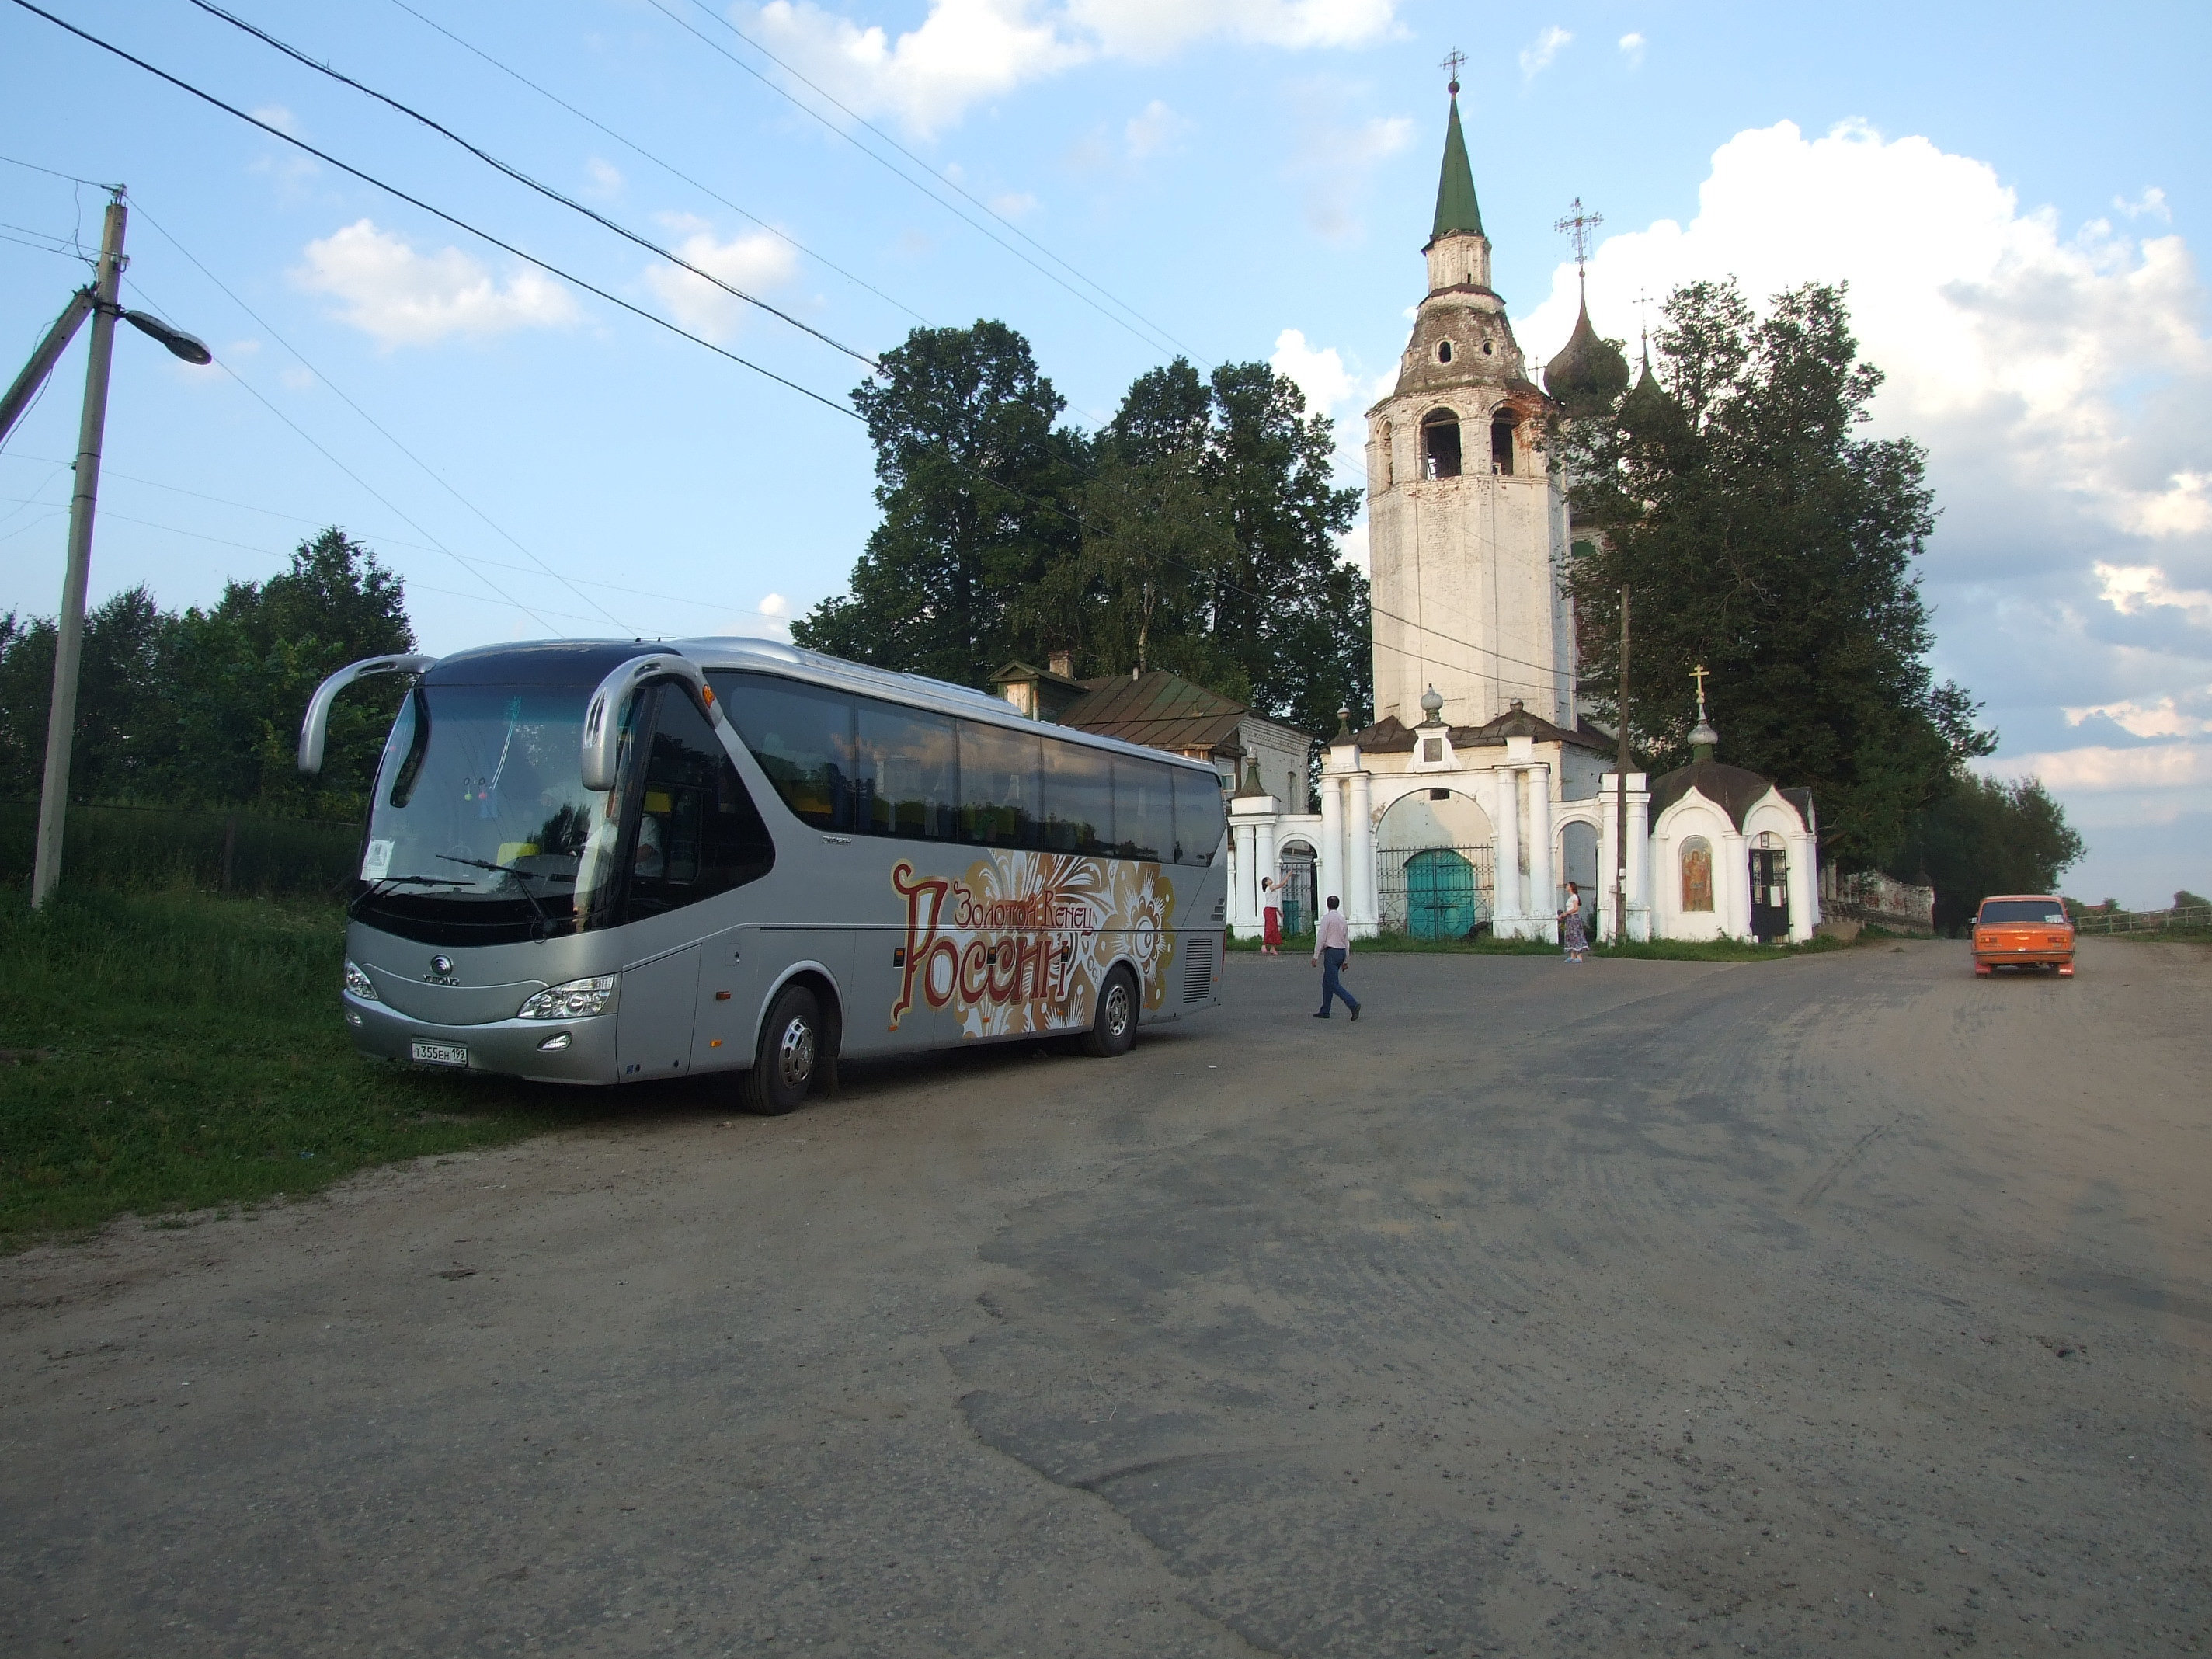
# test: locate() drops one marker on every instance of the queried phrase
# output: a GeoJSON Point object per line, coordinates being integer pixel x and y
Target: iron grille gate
{"type": "Point", "coordinates": [1434, 893]}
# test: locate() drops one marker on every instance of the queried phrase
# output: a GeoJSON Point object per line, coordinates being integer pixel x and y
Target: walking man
{"type": "Point", "coordinates": [1332, 949]}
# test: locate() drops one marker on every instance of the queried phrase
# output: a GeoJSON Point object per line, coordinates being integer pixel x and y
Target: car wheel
{"type": "Point", "coordinates": [1113, 1028]}
{"type": "Point", "coordinates": [790, 1055]}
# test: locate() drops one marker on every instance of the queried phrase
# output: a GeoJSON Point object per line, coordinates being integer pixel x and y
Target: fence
{"type": "Point", "coordinates": [142, 847]}
{"type": "Point", "coordinates": [1433, 892]}
{"type": "Point", "coordinates": [2196, 918]}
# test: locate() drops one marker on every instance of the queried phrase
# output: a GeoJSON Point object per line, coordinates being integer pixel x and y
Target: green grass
{"type": "Point", "coordinates": [1725, 950]}
{"type": "Point", "coordinates": [163, 1052]}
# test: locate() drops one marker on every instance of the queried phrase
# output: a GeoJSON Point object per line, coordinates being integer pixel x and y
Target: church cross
{"type": "Point", "coordinates": [1453, 59]}
{"type": "Point", "coordinates": [1699, 675]}
{"type": "Point", "coordinates": [1577, 228]}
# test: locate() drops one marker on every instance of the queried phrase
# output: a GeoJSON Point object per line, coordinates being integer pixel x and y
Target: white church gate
{"type": "Point", "coordinates": [1296, 861]}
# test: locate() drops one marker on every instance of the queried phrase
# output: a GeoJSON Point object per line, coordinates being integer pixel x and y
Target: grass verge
{"type": "Point", "coordinates": [162, 1052]}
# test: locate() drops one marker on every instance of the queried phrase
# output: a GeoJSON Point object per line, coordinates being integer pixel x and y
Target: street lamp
{"type": "Point", "coordinates": [98, 302]}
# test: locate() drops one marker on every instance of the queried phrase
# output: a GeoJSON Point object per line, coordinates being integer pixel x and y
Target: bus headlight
{"type": "Point", "coordinates": [574, 1000]}
{"type": "Point", "coordinates": [359, 984]}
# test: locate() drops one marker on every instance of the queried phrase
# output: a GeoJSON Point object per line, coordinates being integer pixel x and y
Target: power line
{"type": "Point", "coordinates": [667, 167]}
{"type": "Point", "coordinates": [525, 180]}
{"type": "Point", "coordinates": [1065, 264]}
{"type": "Point", "coordinates": [439, 213]}
{"type": "Point", "coordinates": [900, 173]}
{"type": "Point", "coordinates": [51, 174]}
{"type": "Point", "coordinates": [373, 422]}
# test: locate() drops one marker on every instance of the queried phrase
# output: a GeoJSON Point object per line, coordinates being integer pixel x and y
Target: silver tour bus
{"type": "Point", "coordinates": [591, 862]}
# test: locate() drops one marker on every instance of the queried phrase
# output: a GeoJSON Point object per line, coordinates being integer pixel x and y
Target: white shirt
{"type": "Point", "coordinates": [1332, 935]}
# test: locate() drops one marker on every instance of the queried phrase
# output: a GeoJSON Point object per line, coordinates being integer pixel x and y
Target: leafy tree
{"type": "Point", "coordinates": [1982, 836]}
{"type": "Point", "coordinates": [978, 486]}
{"type": "Point", "coordinates": [202, 707]}
{"type": "Point", "coordinates": [1757, 535]}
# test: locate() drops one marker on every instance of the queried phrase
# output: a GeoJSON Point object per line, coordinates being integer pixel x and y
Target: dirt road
{"type": "Point", "coordinates": [1842, 1305]}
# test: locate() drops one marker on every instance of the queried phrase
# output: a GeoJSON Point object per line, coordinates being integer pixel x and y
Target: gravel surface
{"type": "Point", "coordinates": [1838, 1305]}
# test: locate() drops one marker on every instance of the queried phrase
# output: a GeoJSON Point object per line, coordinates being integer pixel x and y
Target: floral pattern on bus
{"type": "Point", "coordinates": [1022, 940]}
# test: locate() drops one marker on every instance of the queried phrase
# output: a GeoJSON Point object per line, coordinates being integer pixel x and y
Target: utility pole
{"type": "Point", "coordinates": [69, 636]}
{"type": "Point", "coordinates": [1621, 821]}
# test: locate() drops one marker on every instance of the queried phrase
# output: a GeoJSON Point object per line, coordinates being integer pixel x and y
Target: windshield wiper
{"type": "Point", "coordinates": [378, 888]}
{"type": "Point", "coordinates": [521, 886]}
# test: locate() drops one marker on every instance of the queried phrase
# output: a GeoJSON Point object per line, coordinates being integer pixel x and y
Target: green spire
{"type": "Point", "coordinates": [1456, 209]}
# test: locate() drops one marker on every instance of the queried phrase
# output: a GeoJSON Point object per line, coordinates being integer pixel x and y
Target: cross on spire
{"type": "Point", "coordinates": [1453, 59]}
{"type": "Point", "coordinates": [1576, 226]}
{"type": "Point", "coordinates": [1699, 675]}
{"type": "Point", "coordinates": [1643, 332]}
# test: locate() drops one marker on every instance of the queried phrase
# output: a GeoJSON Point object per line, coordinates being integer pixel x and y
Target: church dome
{"type": "Point", "coordinates": [1647, 411]}
{"type": "Point", "coordinates": [1586, 366]}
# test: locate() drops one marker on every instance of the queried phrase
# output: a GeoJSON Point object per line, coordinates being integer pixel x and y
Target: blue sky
{"type": "Point", "coordinates": [2013, 196]}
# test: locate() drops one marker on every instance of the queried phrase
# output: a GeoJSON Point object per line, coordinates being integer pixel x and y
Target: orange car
{"type": "Point", "coordinates": [2020, 931]}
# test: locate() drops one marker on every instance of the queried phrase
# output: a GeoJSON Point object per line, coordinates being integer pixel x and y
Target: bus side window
{"type": "Point", "coordinates": [1144, 810]}
{"type": "Point", "coordinates": [1078, 799]}
{"type": "Point", "coordinates": [699, 833]}
{"type": "Point", "coordinates": [999, 785]}
{"type": "Point", "coordinates": [906, 773]}
{"type": "Point", "coordinates": [802, 736]}
{"type": "Point", "coordinates": [1199, 817]}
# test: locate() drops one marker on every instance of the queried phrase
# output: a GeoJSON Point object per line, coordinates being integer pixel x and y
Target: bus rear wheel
{"type": "Point", "coordinates": [790, 1056]}
{"type": "Point", "coordinates": [1113, 1030]}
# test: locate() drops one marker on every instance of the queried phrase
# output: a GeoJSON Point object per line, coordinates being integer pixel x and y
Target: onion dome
{"type": "Point", "coordinates": [1586, 366]}
{"type": "Point", "coordinates": [1432, 704]}
{"type": "Point", "coordinates": [1647, 410]}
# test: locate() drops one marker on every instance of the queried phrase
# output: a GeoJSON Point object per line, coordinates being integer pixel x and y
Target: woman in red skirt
{"type": "Point", "coordinates": [1271, 912]}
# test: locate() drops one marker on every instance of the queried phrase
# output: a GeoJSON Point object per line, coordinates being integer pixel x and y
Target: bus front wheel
{"type": "Point", "coordinates": [790, 1056]}
{"type": "Point", "coordinates": [1114, 1031]}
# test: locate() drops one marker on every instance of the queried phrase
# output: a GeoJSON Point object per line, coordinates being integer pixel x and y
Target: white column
{"type": "Point", "coordinates": [1543, 900]}
{"type": "Point", "coordinates": [1733, 878]}
{"type": "Point", "coordinates": [1328, 869]}
{"type": "Point", "coordinates": [1359, 853]}
{"type": "Point", "coordinates": [1643, 916]}
{"type": "Point", "coordinates": [1505, 849]}
{"type": "Point", "coordinates": [1801, 877]}
{"type": "Point", "coordinates": [1601, 903]}
{"type": "Point", "coordinates": [1265, 867]}
{"type": "Point", "coordinates": [1240, 876]}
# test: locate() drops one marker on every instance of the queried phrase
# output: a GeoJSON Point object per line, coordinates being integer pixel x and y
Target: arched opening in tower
{"type": "Point", "coordinates": [1440, 444]}
{"type": "Point", "coordinates": [1501, 440]}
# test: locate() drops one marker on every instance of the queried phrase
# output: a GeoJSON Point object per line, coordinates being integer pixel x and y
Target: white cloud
{"type": "Point", "coordinates": [606, 180]}
{"type": "Point", "coordinates": [277, 116]}
{"type": "Point", "coordinates": [1014, 205]}
{"type": "Point", "coordinates": [2163, 717]}
{"type": "Point", "coordinates": [2151, 202]}
{"type": "Point", "coordinates": [1352, 547]}
{"type": "Point", "coordinates": [1631, 48]}
{"type": "Point", "coordinates": [293, 378]}
{"type": "Point", "coordinates": [1336, 157]}
{"type": "Point", "coordinates": [1320, 374]}
{"type": "Point", "coordinates": [2099, 769]}
{"type": "Point", "coordinates": [1154, 129]}
{"type": "Point", "coordinates": [2133, 589]}
{"type": "Point", "coordinates": [964, 52]}
{"type": "Point", "coordinates": [755, 262]}
{"type": "Point", "coordinates": [775, 605]}
{"type": "Point", "coordinates": [1536, 57]}
{"type": "Point", "coordinates": [400, 297]}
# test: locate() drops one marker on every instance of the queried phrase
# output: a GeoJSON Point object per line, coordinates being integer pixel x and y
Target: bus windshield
{"type": "Point", "coordinates": [480, 817]}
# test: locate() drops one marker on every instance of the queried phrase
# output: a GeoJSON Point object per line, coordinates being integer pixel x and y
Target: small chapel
{"type": "Point", "coordinates": [1481, 789]}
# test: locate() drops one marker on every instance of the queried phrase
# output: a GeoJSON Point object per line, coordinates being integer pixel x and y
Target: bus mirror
{"type": "Point", "coordinates": [314, 728]}
{"type": "Point", "coordinates": [603, 717]}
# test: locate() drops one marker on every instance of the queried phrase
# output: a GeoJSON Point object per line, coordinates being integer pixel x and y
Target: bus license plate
{"type": "Point", "coordinates": [439, 1053]}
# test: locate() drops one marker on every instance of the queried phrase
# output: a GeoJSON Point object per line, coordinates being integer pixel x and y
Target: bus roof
{"type": "Point", "coordinates": [585, 662]}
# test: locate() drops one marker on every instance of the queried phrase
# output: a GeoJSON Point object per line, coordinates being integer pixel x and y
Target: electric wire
{"type": "Point", "coordinates": [527, 182]}
{"type": "Point", "coordinates": [1155, 344]}
{"type": "Point", "coordinates": [376, 425]}
{"type": "Point", "coordinates": [666, 166]}
{"type": "Point", "coordinates": [439, 213]}
{"type": "Point", "coordinates": [254, 393]}
{"type": "Point", "coordinates": [51, 172]}
{"type": "Point", "coordinates": [823, 93]}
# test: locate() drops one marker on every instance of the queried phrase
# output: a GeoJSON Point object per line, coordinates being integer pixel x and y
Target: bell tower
{"type": "Point", "coordinates": [1466, 526]}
